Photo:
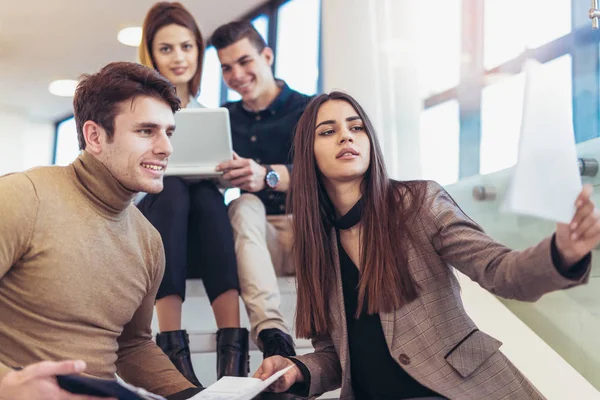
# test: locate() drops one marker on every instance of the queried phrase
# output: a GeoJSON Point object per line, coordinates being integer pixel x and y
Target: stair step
{"type": "Point", "coordinates": [199, 321]}
{"type": "Point", "coordinates": [206, 342]}
{"type": "Point", "coordinates": [195, 288]}
{"type": "Point", "coordinates": [200, 324]}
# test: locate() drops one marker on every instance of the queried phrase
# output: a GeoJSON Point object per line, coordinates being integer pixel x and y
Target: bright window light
{"type": "Point", "coordinates": [131, 36]}
{"type": "Point", "coordinates": [63, 87]}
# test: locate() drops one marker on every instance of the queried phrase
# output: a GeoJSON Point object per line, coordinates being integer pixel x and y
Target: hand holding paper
{"type": "Point", "coordinates": [582, 235]}
{"type": "Point", "coordinates": [269, 367]}
{"type": "Point", "coordinates": [546, 181]}
{"type": "Point", "coordinates": [234, 388]}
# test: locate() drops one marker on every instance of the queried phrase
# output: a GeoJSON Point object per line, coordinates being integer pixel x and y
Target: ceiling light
{"type": "Point", "coordinates": [131, 36]}
{"type": "Point", "coordinates": [63, 87]}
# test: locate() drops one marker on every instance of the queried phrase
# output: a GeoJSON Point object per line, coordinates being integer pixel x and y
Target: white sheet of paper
{"type": "Point", "coordinates": [235, 388]}
{"type": "Point", "coordinates": [546, 179]}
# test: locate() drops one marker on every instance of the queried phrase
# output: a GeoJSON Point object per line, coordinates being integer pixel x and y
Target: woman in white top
{"type": "Point", "coordinates": [191, 217]}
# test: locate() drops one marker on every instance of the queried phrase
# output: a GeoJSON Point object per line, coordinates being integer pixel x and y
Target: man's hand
{"type": "Point", "coordinates": [38, 382]}
{"type": "Point", "coordinates": [582, 235]}
{"type": "Point", "coordinates": [276, 363]}
{"type": "Point", "coordinates": [243, 173]}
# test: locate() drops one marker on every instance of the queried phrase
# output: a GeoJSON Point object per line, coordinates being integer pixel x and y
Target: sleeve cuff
{"type": "Point", "coordinates": [576, 271]}
{"type": "Point", "coordinates": [289, 168]}
{"type": "Point", "coordinates": [302, 388]}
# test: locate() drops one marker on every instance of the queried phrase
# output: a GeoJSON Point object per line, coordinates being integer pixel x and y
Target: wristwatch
{"type": "Point", "coordinates": [271, 178]}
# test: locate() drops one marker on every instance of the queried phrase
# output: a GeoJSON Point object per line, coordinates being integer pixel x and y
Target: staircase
{"type": "Point", "coordinates": [200, 323]}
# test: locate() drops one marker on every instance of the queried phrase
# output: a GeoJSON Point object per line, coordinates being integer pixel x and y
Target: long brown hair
{"type": "Point", "coordinates": [385, 282]}
{"type": "Point", "coordinates": [166, 13]}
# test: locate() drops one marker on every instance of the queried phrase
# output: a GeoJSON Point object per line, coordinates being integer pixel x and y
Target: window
{"type": "Point", "coordinates": [300, 72]}
{"type": "Point", "coordinates": [67, 146]}
{"type": "Point", "coordinates": [439, 142]}
{"type": "Point", "coordinates": [501, 113]}
{"type": "Point", "coordinates": [261, 23]}
{"type": "Point", "coordinates": [439, 46]}
{"type": "Point", "coordinates": [210, 91]}
{"type": "Point", "coordinates": [511, 26]}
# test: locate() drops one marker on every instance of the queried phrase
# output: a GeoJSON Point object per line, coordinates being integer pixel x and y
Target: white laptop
{"type": "Point", "coordinates": [201, 141]}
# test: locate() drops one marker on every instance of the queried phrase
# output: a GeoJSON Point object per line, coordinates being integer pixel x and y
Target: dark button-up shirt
{"type": "Point", "coordinates": [267, 136]}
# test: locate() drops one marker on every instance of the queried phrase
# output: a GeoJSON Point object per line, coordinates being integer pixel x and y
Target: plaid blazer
{"type": "Point", "coordinates": [432, 337]}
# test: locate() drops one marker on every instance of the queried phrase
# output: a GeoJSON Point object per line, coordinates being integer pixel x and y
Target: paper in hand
{"type": "Point", "coordinates": [546, 179]}
{"type": "Point", "coordinates": [235, 388]}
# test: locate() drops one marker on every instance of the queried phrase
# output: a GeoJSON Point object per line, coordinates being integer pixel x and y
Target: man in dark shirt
{"type": "Point", "coordinates": [262, 128]}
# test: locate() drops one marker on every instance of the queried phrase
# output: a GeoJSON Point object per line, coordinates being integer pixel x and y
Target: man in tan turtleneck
{"type": "Point", "coordinates": [79, 264]}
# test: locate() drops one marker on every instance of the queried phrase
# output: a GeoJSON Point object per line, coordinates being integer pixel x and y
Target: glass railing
{"type": "Point", "coordinates": [568, 320]}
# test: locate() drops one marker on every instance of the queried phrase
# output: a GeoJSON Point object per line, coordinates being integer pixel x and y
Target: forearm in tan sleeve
{"type": "Point", "coordinates": [140, 361]}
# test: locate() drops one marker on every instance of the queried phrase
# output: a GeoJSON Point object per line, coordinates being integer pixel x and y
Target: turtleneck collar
{"type": "Point", "coordinates": [351, 218]}
{"type": "Point", "coordinates": [100, 187]}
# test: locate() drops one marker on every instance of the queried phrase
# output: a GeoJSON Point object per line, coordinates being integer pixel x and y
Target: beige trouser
{"type": "Point", "coordinates": [263, 247]}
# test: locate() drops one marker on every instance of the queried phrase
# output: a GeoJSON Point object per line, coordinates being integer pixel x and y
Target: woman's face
{"type": "Point", "coordinates": [342, 146]}
{"type": "Point", "coordinates": [175, 53]}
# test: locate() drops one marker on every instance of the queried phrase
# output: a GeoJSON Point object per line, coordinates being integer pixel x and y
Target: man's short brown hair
{"type": "Point", "coordinates": [98, 95]}
{"type": "Point", "coordinates": [233, 32]}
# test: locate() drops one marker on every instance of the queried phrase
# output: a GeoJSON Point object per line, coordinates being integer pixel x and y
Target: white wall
{"type": "Point", "coordinates": [24, 143]}
{"type": "Point", "coordinates": [370, 51]}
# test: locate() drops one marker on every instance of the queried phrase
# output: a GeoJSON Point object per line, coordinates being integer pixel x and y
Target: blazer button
{"type": "Point", "coordinates": [404, 359]}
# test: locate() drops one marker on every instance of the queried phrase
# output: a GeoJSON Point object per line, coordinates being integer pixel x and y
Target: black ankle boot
{"type": "Point", "coordinates": [176, 345]}
{"type": "Point", "coordinates": [232, 352]}
{"type": "Point", "coordinates": [275, 342]}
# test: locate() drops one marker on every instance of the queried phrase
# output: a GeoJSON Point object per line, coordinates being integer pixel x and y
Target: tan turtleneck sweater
{"type": "Point", "coordinates": [79, 271]}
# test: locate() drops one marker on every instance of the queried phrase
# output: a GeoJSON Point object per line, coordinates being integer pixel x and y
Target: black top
{"type": "Point", "coordinates": [375, 373]}
{"type": "Point", "coordinates": [267, 136]}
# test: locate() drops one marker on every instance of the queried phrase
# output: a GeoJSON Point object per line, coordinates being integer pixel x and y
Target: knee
{"type": "Point", "coordinates": [172, 201]}
{"type": "Point", "coordinates": [206, 195]}
{"type": "Point", "coordinates": [175, 188]}
{"type": "Point", "coordinates": [246, 204]}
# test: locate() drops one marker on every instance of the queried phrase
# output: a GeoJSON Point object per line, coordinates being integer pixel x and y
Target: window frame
{"type": "Point", "coordinates": [582, 43]}
{"type": "Point", "coordinates": [56, 127]}
{"type": "Point", "coordinates": [271, 10]}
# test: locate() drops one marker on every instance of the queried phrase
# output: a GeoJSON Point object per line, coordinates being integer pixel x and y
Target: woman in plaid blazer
{"type": "Point", "coordinates": [404, 238]}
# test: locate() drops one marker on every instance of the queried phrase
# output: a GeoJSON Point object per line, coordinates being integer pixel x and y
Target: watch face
{"type": "Point", "coordinates": [272, 179]}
